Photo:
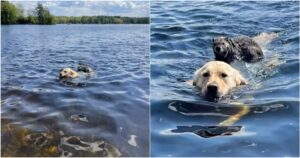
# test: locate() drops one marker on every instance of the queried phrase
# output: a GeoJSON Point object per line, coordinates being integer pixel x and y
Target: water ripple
{"type": "Point", "coordinates": [35, 100]}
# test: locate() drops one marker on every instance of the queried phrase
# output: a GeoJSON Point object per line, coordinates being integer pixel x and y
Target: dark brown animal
{"type": "Point", "coordinates": [239, 48]}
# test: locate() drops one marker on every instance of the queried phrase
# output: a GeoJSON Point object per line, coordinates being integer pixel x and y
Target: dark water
{"type": "Point", "coordinates": [105, 115]}
{"type": "Point", "coordinates": [181, 34]}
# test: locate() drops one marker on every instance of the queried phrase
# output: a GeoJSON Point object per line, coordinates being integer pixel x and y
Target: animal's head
{"type": "Point", "coordinates": [222, 49]}
{"type": "Point", "coordinates": [67, 73]}
{"type": "Point", "coordinates": [84, 68]}
{"type": "Point", "coordinates": [216, 79]}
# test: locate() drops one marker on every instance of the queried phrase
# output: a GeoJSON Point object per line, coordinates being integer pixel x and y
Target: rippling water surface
{"type": "Point", "coordinates": [181, 34]}
{"type": "Point", "coordinates": [106, 115]}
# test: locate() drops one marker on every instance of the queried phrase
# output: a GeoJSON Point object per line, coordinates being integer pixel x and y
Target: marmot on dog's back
{"type": "Point", "coordinates": [240, 48]}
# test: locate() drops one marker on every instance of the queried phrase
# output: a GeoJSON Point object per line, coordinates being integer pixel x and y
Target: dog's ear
{"type": "Point", "coordinates": [239, 79]}
{"type": "Point", "coordinates": [194, 83]}
{"type": "Point", "coordinates": [213, 39]}
{"type": "Point", "coordinates": [197, 76]}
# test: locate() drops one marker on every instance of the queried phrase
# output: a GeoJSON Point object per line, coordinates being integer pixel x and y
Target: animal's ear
{"type": "Point", "coordinates": [239, 79]}
{"type": "Point", "coordinates": [213, 39]}
{"type": "Point", "coordinates": [197, 76]}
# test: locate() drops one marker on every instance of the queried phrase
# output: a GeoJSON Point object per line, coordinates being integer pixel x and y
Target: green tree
{"type": "Point", "coordinates": [39, 10]}
{"type": "Point", "coordinates": [31, 19]}
{"type": "Point", "coordinates": [43, 15]}
{"type": "Point", "coordinates": [21, 17]}
{"type": "Point", "coordinates": [9, 13]}
{"type": "Point", "coordinates": [49, 19]}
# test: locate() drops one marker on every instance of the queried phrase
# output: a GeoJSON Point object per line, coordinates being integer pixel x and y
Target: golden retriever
{"type": "Point", "coordinates": [67, 73]}
{"type": "Point", "coordinates": [216, 78]}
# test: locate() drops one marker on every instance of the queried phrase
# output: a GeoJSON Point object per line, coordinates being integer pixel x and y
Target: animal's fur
{"type": "Point", "coordinates": [216, 79]}
{"type": "Point", "coordinates": [67, 73]}
{"type": "Point", "coordinates": [84, 68]}
{"type": "Point", "coordinates": [265, 38]}
{"type": "Point", "coordinates": [241, 48]}
{"type": "Point", "coordinates": [70, 73]}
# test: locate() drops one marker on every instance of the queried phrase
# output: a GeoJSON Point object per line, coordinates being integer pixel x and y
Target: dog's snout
{"type": "Point", "coordinates": [212, 93]}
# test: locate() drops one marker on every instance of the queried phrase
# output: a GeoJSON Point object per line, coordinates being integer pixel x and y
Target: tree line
{"type": "Point", "coordinates": [12, 14]}
{"type": "Point", "coordinates": [101, 20]}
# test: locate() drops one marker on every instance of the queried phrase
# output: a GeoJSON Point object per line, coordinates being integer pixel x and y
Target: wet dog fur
{"type": "Point", "coordinates": [216, 78]}
{"type": "Point", "coordinates": [240, 48]}
{"type": "Point", "coordinates": [67, 73]}
{"type": "Point", "coordinates": [70, 73]}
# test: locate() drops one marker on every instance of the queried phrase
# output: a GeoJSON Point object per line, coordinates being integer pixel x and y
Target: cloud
{"type": "Point", "coordinates": [88, 8]}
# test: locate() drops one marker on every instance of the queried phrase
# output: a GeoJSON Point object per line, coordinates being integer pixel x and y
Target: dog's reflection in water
{"type": "Point", "coordinates": [208, 131]}
{"type": "Point", "coordinates": [224, 128]}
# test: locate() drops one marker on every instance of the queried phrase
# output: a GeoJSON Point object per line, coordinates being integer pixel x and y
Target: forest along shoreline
{"type": "Point", "coordinates": [12, 14]}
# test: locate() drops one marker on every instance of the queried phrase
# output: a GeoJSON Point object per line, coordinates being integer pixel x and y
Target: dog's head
{"type": "Point", "coordinates": [216, 79]}
{"type": "Point", "coordinates": [222, 49]}
{"type": "Point", "coordinates": [67, 73]}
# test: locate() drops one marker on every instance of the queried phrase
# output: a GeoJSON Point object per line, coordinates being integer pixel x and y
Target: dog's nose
{"type": "Point", "coordinates": [212, 89]}
{"type": "Point", "coordinates": [212, 93]}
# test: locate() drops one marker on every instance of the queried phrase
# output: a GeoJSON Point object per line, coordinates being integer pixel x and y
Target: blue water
{"type": "Point", "coordinates": [105, 107]}
{"type": "Point", "coordinates": [181, 34]}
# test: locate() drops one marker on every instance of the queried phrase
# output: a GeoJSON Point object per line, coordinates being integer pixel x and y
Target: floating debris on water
{"type": "Point", "coordinates": [266, 108]}
{"type": "Point", "coordinates": [79, 117]}
{"type": "Point", "coordinates": [132, 140]}
{"type": "Point", "coordinates": [73, 145]}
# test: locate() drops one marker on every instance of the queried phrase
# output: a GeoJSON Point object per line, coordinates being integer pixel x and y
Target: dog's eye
{"type": "Point", "coordinates": [206, 74]}
{"type": "Point", "coordinates": [224, 75]}
{"type": "Point", "coordinates": [65, 71]}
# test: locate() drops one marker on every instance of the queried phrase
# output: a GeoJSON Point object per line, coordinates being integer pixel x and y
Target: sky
{"type": "Point", "coordinates": [88, 8]}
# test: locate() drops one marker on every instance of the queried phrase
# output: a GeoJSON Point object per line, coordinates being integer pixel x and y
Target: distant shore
{"type": "Point", "coordinates": [11, 14]}
{"type": "Point", "coordinates": [87, 20]}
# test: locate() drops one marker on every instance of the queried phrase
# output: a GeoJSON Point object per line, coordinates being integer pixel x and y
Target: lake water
{"type": "Point", "coordinates": [181, 34]}
{"type": "Point", "coordinates": [104, 115]}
